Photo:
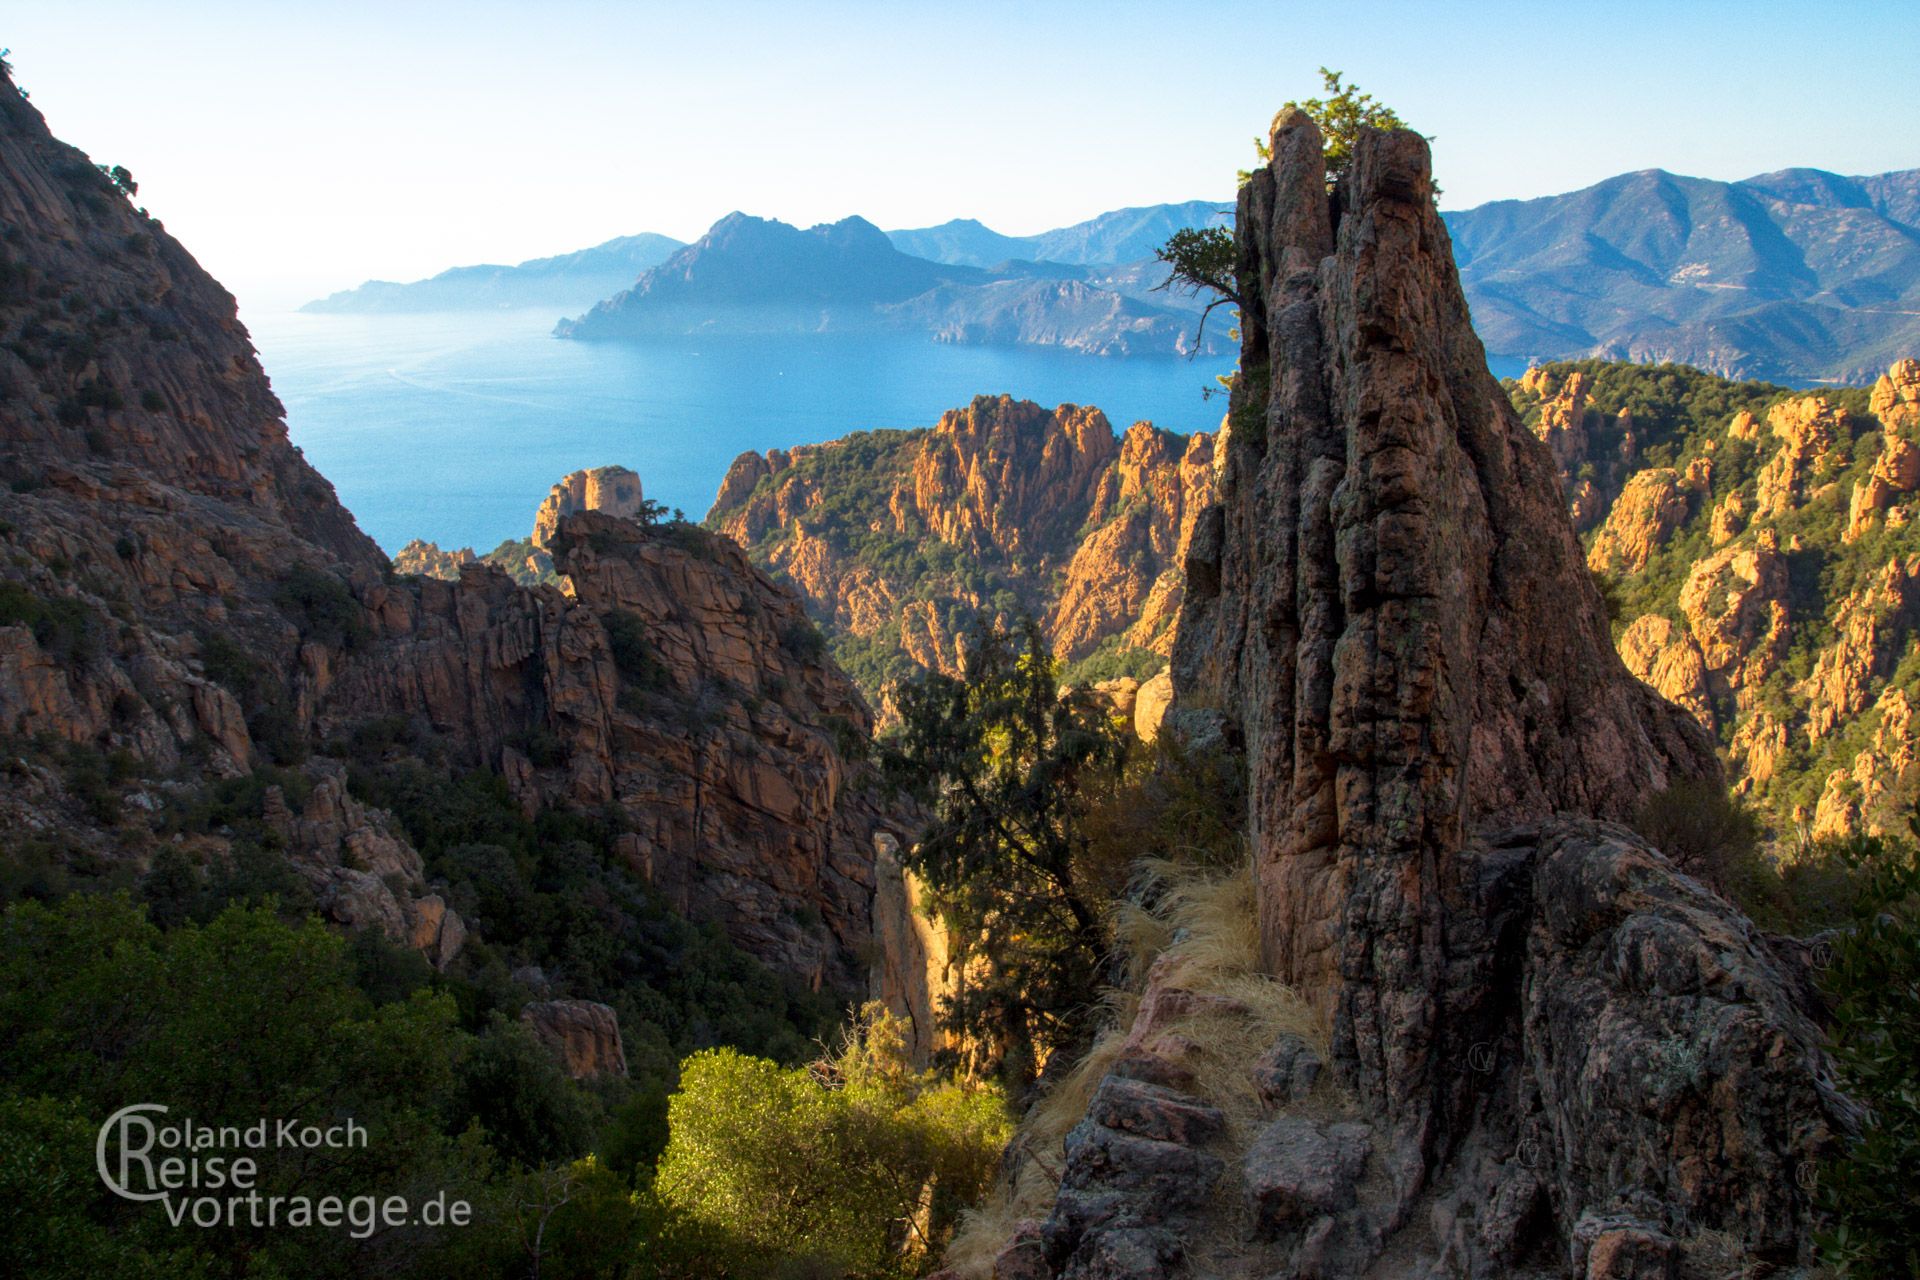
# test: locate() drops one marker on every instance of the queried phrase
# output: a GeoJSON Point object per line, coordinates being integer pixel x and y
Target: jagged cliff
{"type": "Point", "coordinates": [1759, 548]}
{"type": "Point", "coordinates": [183, 600]}
{"type": "Point", "coordinates": [897, 539]}
{"type": "Point", "coordinates": [1550, 1052]}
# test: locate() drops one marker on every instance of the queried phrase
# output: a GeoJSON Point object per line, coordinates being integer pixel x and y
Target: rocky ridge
{"type": "Point", "coordinates": [1761, 554]}
{"type": "Point", "coordinates": [897, 539]}
{"type": "Point", "coordinates": [1554, 1052]}
{"type": "Point", "coordinates": [184, 601]}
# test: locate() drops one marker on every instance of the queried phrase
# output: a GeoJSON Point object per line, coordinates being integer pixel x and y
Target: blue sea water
{"type": "Point", "coordinates": [451, 427]}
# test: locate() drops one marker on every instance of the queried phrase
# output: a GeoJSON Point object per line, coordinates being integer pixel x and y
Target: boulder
{"type": "Point", "coordinates": [582, 1035]}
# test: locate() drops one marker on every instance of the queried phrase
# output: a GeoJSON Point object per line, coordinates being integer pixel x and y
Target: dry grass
{"type": "Point", "coordinates": [1202, 926]}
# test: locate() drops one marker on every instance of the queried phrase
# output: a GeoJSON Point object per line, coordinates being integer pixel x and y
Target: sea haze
{"type": "Point", "coordinates": [451, 426]}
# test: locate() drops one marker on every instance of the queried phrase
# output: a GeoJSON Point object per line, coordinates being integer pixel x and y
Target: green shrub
{"type": "Point", "coordinates": [835, 1161]}
{"type": "Point", "coordinates": [70, 631]}
{"type": "Point", "coordinates": [1873, 980]}
{"type": "Point", "coordinates": [1112, 659]}
{"type": "Point", "coordinates": [632, 652]}
{"type": "Point", "coordinates": [1709, 834]}
{"type": "Point", "coordinates": [322, 607]}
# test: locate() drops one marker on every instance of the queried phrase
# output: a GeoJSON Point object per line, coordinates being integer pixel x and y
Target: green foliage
{"type": "Point", "coordinates": [836, 1161]}
{"type": "Point", "coordinates": [633, 653]}
{"type": "Point", "coordinates": [1873, 980]}
{"type": "Point", "coordinates": [1202, 260]}
{"type": "Point", "coordinates": [241, 1018]}
{"type": "Point", "coordinates": [803, 641]}
{"type": "Point", "coordinates": [1007, 763]}
{"type": "Point", "coordinates": [550, 892]}
{"type": "Point", "coordinates": [121, 179]}
{"type": "Point", "coordinates": [70, 631]}
{"type": "Point", "coordinates": [1341, 115]}
{"type": "Point", "coordinates": [1112, 659]}
{"type": "Point", "coordinates": [513, 1087]}
{"type": "Point", "coordinates": [1172, 802]}
{"type": "Point", "coordinates": [1707, 832]}
{"type": "Point", "coordinates": [322, 607]}
{"type": "Point", "coordinates": [56, 1218]}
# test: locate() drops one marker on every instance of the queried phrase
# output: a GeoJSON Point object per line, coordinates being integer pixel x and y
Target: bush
{"type": "Point", "coordinates": [70, 631]}
{"type": "Point", "coordinates": [1873, 980]}
{"type": "Point", "coordinates": [1110, 660]}
{"type": "Point", "coordinates": [833, 1162]}
{"type": "Point", "coordinates": [1709, 834]}
{"type": "Point", "coordinates": [322, 607]}
{"type": "Point", "coordinates": [632, 652]}
{"type": "Point", "coordinates": [513, 1087]}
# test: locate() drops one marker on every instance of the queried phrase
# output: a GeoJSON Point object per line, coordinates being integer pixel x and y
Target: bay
{"type": "Point", "coordinates": [451, 427]}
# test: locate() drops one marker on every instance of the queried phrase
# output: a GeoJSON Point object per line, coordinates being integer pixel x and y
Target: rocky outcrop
{"type": "Point", "coordinates": [1667, 657]}
{"type": "Point", "coordinates": [914, 970]}
{"type": "Point", "coordinates": [1590, 450]}
{"type": "Point", "coordinates": [182, 596]}
{"type": "Point", "coordinates": [615, 491]}
{"type": "Point", "coordinates": [1043, 512]}
{"type": "Point", "coordinates": [582, 1035]}
{"type": "Point", "coordinates": [1808, 429]}
{"type": "Point", "coordinates": [427, 560]}
{"type": "Point", "coordinates": [1556, 1045]}
{"type": "Point", "coordinates": [1766, 563]}
{"type": "Point", "coordinates": [1651, 507]}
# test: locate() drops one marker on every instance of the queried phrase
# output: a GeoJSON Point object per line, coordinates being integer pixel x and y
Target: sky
{"type": "Point", "coordinates": [299, 148]}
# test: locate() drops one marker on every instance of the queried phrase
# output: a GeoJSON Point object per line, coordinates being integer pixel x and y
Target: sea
{"type": "Point", "coordinates": [451, 427]}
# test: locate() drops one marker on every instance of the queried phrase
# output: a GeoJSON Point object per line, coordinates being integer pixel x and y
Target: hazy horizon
{"type": "Point", "coordinates": [299, 150]}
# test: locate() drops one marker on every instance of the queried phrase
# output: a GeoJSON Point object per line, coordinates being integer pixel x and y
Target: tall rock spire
{"type": "Point", "coordinates": [1558, 1054]}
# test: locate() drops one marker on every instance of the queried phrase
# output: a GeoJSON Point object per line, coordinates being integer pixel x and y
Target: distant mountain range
{"type": "Point", "coordinates": [1125, 235]}
{"type": "Point", "coordinates": [751, 276]}
{"type": "Point", "coordinates": [568, 281]}
{"type": "Point", "coordinates": [1801, 275]}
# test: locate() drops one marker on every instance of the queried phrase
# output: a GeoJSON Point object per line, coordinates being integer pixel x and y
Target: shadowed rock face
{"type": "Point", "coordinates": [196, 570]}
{"type": "Point", "coordinates": [1564, 1054]}
{"type": "Point", "coordinates": [1404, 623]}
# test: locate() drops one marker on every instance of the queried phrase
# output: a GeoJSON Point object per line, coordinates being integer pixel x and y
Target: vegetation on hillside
{"type": "Point", "coordinates": [1679, 418]}
{"type": "Point", "coordinates": [936, 587]}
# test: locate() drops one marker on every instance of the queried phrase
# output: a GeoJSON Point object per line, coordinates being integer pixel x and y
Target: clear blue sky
{"type": "Point", "coordinates": [298, 148]}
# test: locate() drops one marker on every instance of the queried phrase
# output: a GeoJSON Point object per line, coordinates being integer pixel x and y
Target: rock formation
{"type": "Point", "coordinates": [613, 490]}
{"type": "Point", "coordinates": [583, 1035]}
{"type": "Point", "coordinates": [421, 559]}
{"type": "Point", "coordinates": [897, 539]}
{"type": "Point", "coordinates": [1759, 544]}
{"type": "Point", "coordinates": [182, 595]}
{"type": "Point", "coordinates": [1562, 1056]}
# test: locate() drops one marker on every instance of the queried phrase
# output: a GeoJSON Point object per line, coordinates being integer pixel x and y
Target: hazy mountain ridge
{"type": "Point", "coordinates": [1121, 235]}
{"type": "Point", "coordinates": [1802, 274]}
{"type": "Point", "coordinates": [575, 279]}
{"type": "Point", "coordinates": [760, 276]}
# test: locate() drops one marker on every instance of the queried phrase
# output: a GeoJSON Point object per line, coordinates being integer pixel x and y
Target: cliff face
{"type": "Point", "coordinates": [1760, 550]}
{"type": "Point", "coordinates": [182, 600]}
{"type": "Point", "coordinates": [1561, 1055]}
{"type": "Point", "coordinates": [676, 683]}
{"type": "Point", "coordinates": [896, 539]}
